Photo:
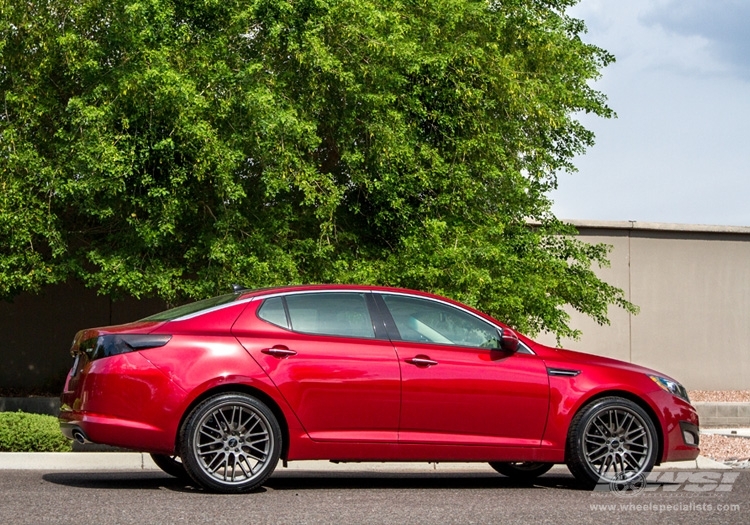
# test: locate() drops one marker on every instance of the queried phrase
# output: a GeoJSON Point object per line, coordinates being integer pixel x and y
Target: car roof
{"type": "Point", "coordinates": [246, 294]}
{"type": "Point", "coordinates": [264, 292]}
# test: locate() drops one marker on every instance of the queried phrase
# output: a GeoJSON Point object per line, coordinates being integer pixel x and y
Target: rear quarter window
{"type": "Point", "coordinates": [272, 310]}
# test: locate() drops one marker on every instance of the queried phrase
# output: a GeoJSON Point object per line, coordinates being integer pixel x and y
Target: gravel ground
{"type": "Point", "coordinates": [722, 396]}
{"type": "Point", "coordinates": [725, 448]}
{"type": "Point", "coordinates": [732, 450]}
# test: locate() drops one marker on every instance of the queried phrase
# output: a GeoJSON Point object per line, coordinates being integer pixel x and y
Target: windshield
{"type": "Point", "coordinates": [191, 308]}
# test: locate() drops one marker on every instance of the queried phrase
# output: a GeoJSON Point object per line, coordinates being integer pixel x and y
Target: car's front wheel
{"type": "Point", "coordinates": [521, 470]}
{"type": "Point", "coordinates": [230, 443]}
{"type": "Point", "coordinates": [611, 440]}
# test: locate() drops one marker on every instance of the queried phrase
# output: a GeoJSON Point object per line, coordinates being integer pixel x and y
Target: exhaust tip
{"type": "Point", "coordinates": [80, 437]}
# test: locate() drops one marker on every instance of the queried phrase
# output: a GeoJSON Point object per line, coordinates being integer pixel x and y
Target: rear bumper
{"type": "Point", "coordinates": [105, 430]}
{"type": "Point", "coordinates": [122, 401]}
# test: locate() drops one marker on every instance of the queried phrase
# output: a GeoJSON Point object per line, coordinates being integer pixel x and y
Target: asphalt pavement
{"type": "Point", "coordinates": [127, 487]}
{"type": "Point", "coordinates": [366, 497]}
{"type": "Point", "coordinates": [112, 461]}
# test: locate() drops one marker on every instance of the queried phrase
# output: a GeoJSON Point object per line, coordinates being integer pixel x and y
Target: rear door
{"type": "Point", "coordinates": [335, 368]}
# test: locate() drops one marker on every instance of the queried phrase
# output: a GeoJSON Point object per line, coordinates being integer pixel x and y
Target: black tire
{"type": "Point", "coordinates": [172, 465]}
{"type": "Point", "coordinates": [611, 440]}
{"type": "Point", "coordinates": [521, 470]}
{"type": "Point", "coordinates": [230, 443]}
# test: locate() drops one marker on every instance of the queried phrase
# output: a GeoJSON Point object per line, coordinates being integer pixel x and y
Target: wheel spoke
{"type": "Point", "coordinates": [245, 472]}
{"type": "Point", "coordinates": [605, 432]}
{"type": "Point", "coordinates": [251, 417]}
{"type": "Point", "coordinates": [224, 417]}
{"type": "Point", "coordinates": [596, 440]}
{"type": "Point", "coordinates": [225, 470]}
{"type": "Point", "coordinates": [256, 450]}
{"type": "Point", "coordinates": [211, 432]}
{"type": "Point", "coordinates": [599, 446]}
{"type": "Point", "coordinates": [624, 423]}
{"type": "Point", "coordinates": [234, 467]}
{"type": "Point", "coordinates": [616, 425]}
{"type": "Point", "coordinates": [619, 461]}
{"type": "Point", "coordinates": [598, 454]}
{"type": "Point", "coordinates": [215, 462]}
{"type": "Point", "coordinates": [639, 433]}
{"type": "Point", "coordinates": [259, 457]}
{"type": "Point", "coordinates": [632, 460]}
{"type": "Point", "coordinates": [258, 444]}
{"type": "Point", "coordinates": [210, 443]}
{"type": "Point", "coordinates": [631, 422]}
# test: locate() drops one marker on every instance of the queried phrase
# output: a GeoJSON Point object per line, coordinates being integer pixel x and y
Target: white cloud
{"type": "Point", "coordinates": [632, 31]}
{"type": "Point", "coordinates": [722, 23]}
{"type": "Point", "coordinates": [677, 151]}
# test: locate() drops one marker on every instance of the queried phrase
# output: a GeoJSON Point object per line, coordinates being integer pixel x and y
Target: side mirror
{"type": "Point", "coordinates": [508, 340]}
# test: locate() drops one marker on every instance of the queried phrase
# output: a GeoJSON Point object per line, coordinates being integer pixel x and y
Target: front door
{"type": "Point", "coordinates": [458, 386]}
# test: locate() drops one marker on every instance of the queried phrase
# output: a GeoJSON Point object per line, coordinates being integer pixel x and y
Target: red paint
{"type": "Point", "coordinates": [349, 398]}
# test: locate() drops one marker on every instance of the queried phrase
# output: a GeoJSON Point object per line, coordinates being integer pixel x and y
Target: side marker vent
{"type": "Point", "coordinates": [565, 372]}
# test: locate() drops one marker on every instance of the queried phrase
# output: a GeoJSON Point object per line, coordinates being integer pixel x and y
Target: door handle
{"type": "Point", "coordinates": [421, 361]}
{"type": "Point", "coordinates": [279, 351]}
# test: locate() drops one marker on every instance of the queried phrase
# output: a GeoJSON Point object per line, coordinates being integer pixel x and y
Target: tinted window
{"type": "Point", "coordinates": [343, 314]}
{"type": "Point", "coordinates": [423, 320]}
{"type": "Point", "coordinates": [272, 311]}
{"type": "Point", "coordinates": [192, 308]}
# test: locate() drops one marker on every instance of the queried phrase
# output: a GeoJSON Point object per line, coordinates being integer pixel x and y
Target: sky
{"type": "Point", "coordinates": [679, 149]}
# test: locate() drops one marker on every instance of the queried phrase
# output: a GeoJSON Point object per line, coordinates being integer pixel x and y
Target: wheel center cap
{"type": "Point", "coordinates": [232, 442]}
{"type": "Point", "coordinates": [615, 444]}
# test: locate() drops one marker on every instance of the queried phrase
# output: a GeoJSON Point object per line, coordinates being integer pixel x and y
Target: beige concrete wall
{"type": "Point", "coordinates": [692, 284]}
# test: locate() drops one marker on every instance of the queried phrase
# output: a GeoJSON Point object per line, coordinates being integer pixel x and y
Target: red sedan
{"type": "Point", "coordinates": [218, 390]}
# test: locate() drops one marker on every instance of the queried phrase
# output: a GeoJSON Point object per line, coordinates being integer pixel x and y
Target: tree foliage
{"type": "Point", "coordinates": [172, 147]}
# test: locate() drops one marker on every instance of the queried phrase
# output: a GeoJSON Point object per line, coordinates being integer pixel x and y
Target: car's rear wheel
{"type": "Point", "coordinates": [611, 440]}
{"type": "Point", "coordinates": [230, 443]}
{"type": "Point", "coordinates": [521, 470]}
{"type": "Point", "coordinates": [172, 465]}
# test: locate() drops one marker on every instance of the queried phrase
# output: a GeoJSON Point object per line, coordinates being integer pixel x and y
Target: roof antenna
{"type": "Point", "coordinates": [237, 288]}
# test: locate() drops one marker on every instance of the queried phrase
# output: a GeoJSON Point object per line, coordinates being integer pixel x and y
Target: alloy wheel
{"type": "Point", "coordinates": [232, 443]}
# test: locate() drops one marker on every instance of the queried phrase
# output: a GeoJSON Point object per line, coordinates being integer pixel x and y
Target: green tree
{"type": "Point", "coordinates": [172, 147]}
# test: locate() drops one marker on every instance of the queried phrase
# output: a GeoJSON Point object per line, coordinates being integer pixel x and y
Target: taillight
{"type": "Point", "coordinates": [115, 344]}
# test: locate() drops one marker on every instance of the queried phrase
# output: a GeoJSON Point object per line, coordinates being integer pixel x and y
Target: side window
{"type": "Point", "coordinates": [427, 321]}
{"type": "Point", "coordinates": [272, 310]}
{"type": "Point", "coordinates": [334, 313]}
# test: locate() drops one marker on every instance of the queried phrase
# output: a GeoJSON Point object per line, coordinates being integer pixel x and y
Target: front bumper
{"type": "Point", "coordinates": [680, 427]}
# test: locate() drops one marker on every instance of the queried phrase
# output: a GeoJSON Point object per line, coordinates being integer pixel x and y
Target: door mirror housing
{"type": "Point", "coordinates": [508, 340]}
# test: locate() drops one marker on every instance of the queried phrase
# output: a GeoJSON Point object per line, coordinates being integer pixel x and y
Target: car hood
{"type": "Point", "coordinates": [560, 356]}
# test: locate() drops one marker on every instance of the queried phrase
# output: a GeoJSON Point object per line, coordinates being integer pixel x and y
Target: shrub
{"type": "Point", "coordinates": [22, 432]}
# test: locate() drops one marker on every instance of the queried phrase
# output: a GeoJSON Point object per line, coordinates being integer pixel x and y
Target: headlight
{"type": "Point", "coordinates": [673, 387]}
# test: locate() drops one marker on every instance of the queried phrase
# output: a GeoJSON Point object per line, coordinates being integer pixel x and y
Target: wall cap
{"type": "Point", "coordinates": [657, 226]}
